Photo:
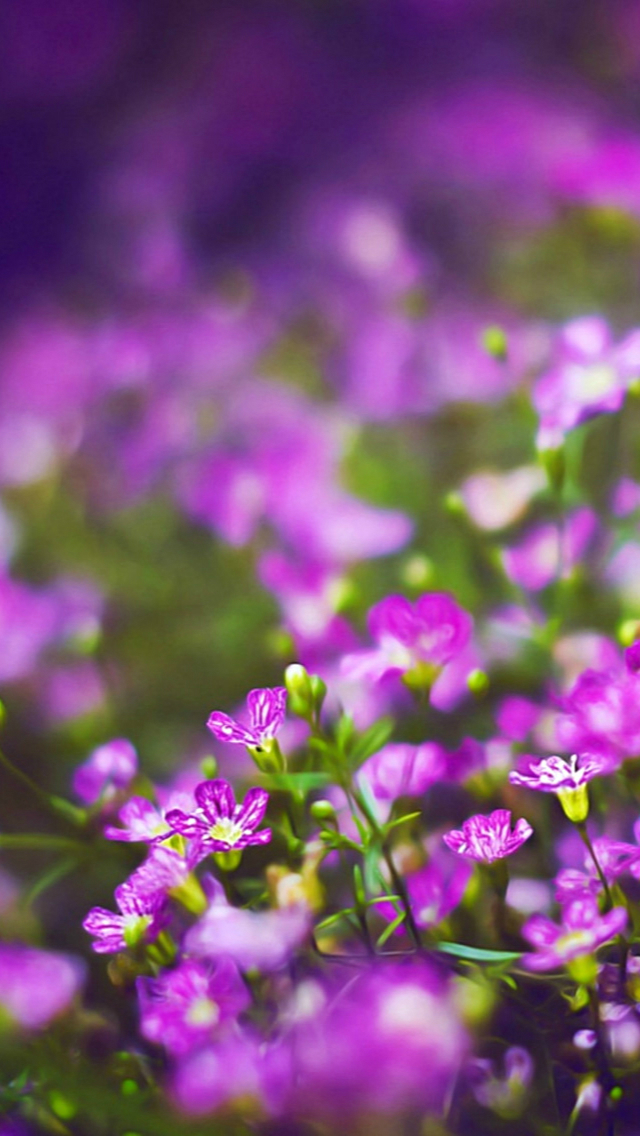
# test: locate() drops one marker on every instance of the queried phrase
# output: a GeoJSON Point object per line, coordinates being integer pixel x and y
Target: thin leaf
{"type": "Point", "coordinates": [49, 878]}
{"type": "Point", "coordinates": [371, 741]}
{"type": "Point", "coordinates": [477, 954]}
{"type": "Point", "coordinates": [388, 931]}
{"type": "Point", "coordinates": [332, 919]}
{"type": "Point", "coordinates": [302, 782]}
{"type": "Point", "coordinates": [400, 820]}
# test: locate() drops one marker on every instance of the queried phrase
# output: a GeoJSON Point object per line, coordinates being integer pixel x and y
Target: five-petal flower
{"type": "Point", "coordinates": [488, 838]}
{"type": "Point", "coordinates": [218, 823]}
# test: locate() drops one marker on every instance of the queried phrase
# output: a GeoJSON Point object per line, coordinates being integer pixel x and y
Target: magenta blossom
{"type": "Point", "coordinates": [36, 986]}
{"type": "Point", "coordinates": [266, 715]}
{"type": "Point", "coordinates": [582, 931]}
{"type": "Point", "coordinates": [142, 917]}
{"type": "Point", "coordinates": [555, 774]}
{"type": "Point", "coordinates": [411, 637]}
{"type": "Point", "coordinates": [143, 822]}
{"type": "Point", "coordinates": [186, 1006]}
{"type": "Point", "coordinates": [110, 767]}
{"type": "Point", "coordinates": [589, 376]}
{"type": "Point", "coordinates": [218, 823]}
{"type": "Point", "coordinates": [404, 770]}
{"type": "Point", "coordinates": [489, 838]}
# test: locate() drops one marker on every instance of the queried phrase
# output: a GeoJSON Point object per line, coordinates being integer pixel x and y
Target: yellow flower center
{"type": "Point", "coordinates": [226, 830]}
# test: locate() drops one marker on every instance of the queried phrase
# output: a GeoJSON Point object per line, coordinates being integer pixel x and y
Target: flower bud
{"type": "Point", "coordinates": [323, 811]}
{"type": "Point", "coordinates": [494, 341]}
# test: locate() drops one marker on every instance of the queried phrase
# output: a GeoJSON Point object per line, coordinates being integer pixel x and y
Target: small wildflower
{"type": "Point", "coordinates": [582, 931]}
{"type": "Point", "coordinates": [567, 779]}
{"type": "Point", "coordinates": [184, 1007]}
{"type": "Point", "coordinates": [266, 715]}
{"type": "Point", "coordinates": [110, 767]}
{"type": "Point", "coordinates": [218, 823]}
{"type": "Point", "coordinates": [489, 838]}
{"type": "Point", "coordinates": [415, 640]}
{"type": "Point", "coordinates": [141, 918]}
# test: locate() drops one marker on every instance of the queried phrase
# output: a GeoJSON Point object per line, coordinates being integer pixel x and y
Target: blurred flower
{"type": "Point", "coordinates": [505, 1095]}
{"type": "Point", "coordinates": [398, 1020]}
{"type": "Point", "coordinates": [110, 767]}
{"type": "Point", "coordinates": [35, 985]}
{"type": "Point", "coordinates": [489, 838]}
{"type": "Point", "coordinates": [589, 376]}
{"type": "Point", "coordinates": [547, 553]}
{"type": "Point", "coordinates": [582, 931]}
{"type": "Point", "coordinates": [184, 1007]}
{"type": "Point", "coordinates": [263, 940]}
{"type": "Point", "coordinates": [494, 500]}
{"type": "Point", "coordinates": [145, 823]}
{"type": "Point", "coordinates": [403, 770]}
{"type": "Point", "coordinates": [410, 638]}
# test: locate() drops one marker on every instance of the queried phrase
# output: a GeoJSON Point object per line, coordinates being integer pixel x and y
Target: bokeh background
{"type": "Point", "coordinates": [276, 278]}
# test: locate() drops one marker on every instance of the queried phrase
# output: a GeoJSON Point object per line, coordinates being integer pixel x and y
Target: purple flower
{"type": "Point", "coordinates": [266, 715]}
{"type": "Point", "coordinates": [141, 918]}
{"type": "Point", "coordinates": [36, 986]}
{"type": "Point", "coordinates": [218, 823]}
{"type": "Point", "coordinates": [239, 1067]}
{"type": "Point", "coordinates": [542, 554]}
{"type": "Point", "coordinates": [589, 376]}
{"type": "Point", "coordinates": [556, 774]}
{"type": "Point", "coordinates": [419, 637]}
{"type": "Point", "coordinates": [601, 713]}
{"type": "Point", "coordinates": [404, 770]}
{"type": "Point", "coordinates": [400, 1021]}
{"type": "Point", "coordinates": [504, 1095]}
{"type": "Point", "coordinates": [263, 940]}
{"type": "Point", "coordinates": [109, 767]}
{"type": "Point", "coordinates": [184, 1007]}
{"type": "Point", "coordinates": [582, 931]}
{"type": "Point", "coordinates": [143, 822]}
{"type": "Point", "coordinates": [489, 838]}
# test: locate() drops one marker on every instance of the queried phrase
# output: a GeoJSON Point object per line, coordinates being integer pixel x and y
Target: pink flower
{"type": "Point", "coordinates": [141, 917]}
{"type": "Point", "coordinates": [555, 774]}
{"type": "Point", "coordinates": [266, 715]}
{"type": "Point", "coordinates": [36, 986]}
{"type": "Point", "coordinates": [410, 636]}
{"type": "Point", "coordinates": [110, 767]}
{"type": "Point", "coordinates": [589, 376]}
{"type": "Point", "coordinates": [218, 823]}
{"type": "Point", "coordinates": [489, 838]}
{"type": "Point", "coordinates": [582, 931]}
{"type": "Point", "coordinates": [184, 1007]}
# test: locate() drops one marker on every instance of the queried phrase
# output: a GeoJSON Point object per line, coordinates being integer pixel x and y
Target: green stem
{"type": "Point", "coordinates": [396, 878]}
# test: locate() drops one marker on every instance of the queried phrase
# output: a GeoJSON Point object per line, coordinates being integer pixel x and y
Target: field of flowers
{"type": "Point", "coordinates": [320, 568]}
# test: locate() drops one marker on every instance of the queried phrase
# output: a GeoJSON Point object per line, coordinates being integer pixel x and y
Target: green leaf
{"type": "Point", "coordinates": [371, 741]}
{"type": "Point", "coordinates": [40, 841]}
{"type": "Point", "coordinates": [477, 954]}
{"type": "Point", "coordinates": [56, 872]}
{"type": "Point", "coordinates": [400, 820]}
{"type": "Point", "coordinates": [345, 732]}
{"type": "Point", "coordinates": [388, 931]}
{"type": "Point", "coordinates": [332, 919]}
{"type": "Point", "coordinates": [295, 782]}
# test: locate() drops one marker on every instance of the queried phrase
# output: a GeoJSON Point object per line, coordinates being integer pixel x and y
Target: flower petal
{"type": "Point", "coordinates": [253, 808]}
{"type": "Point", "coordinates": [216, 799]}
{"type": "Point", "coordinates": [226, 729]}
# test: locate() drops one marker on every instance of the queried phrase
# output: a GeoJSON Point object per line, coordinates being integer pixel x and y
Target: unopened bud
{"type": "Point", "coordinates": [323, 811]}
{"type": "Point", "coordinates": [494, 341]}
